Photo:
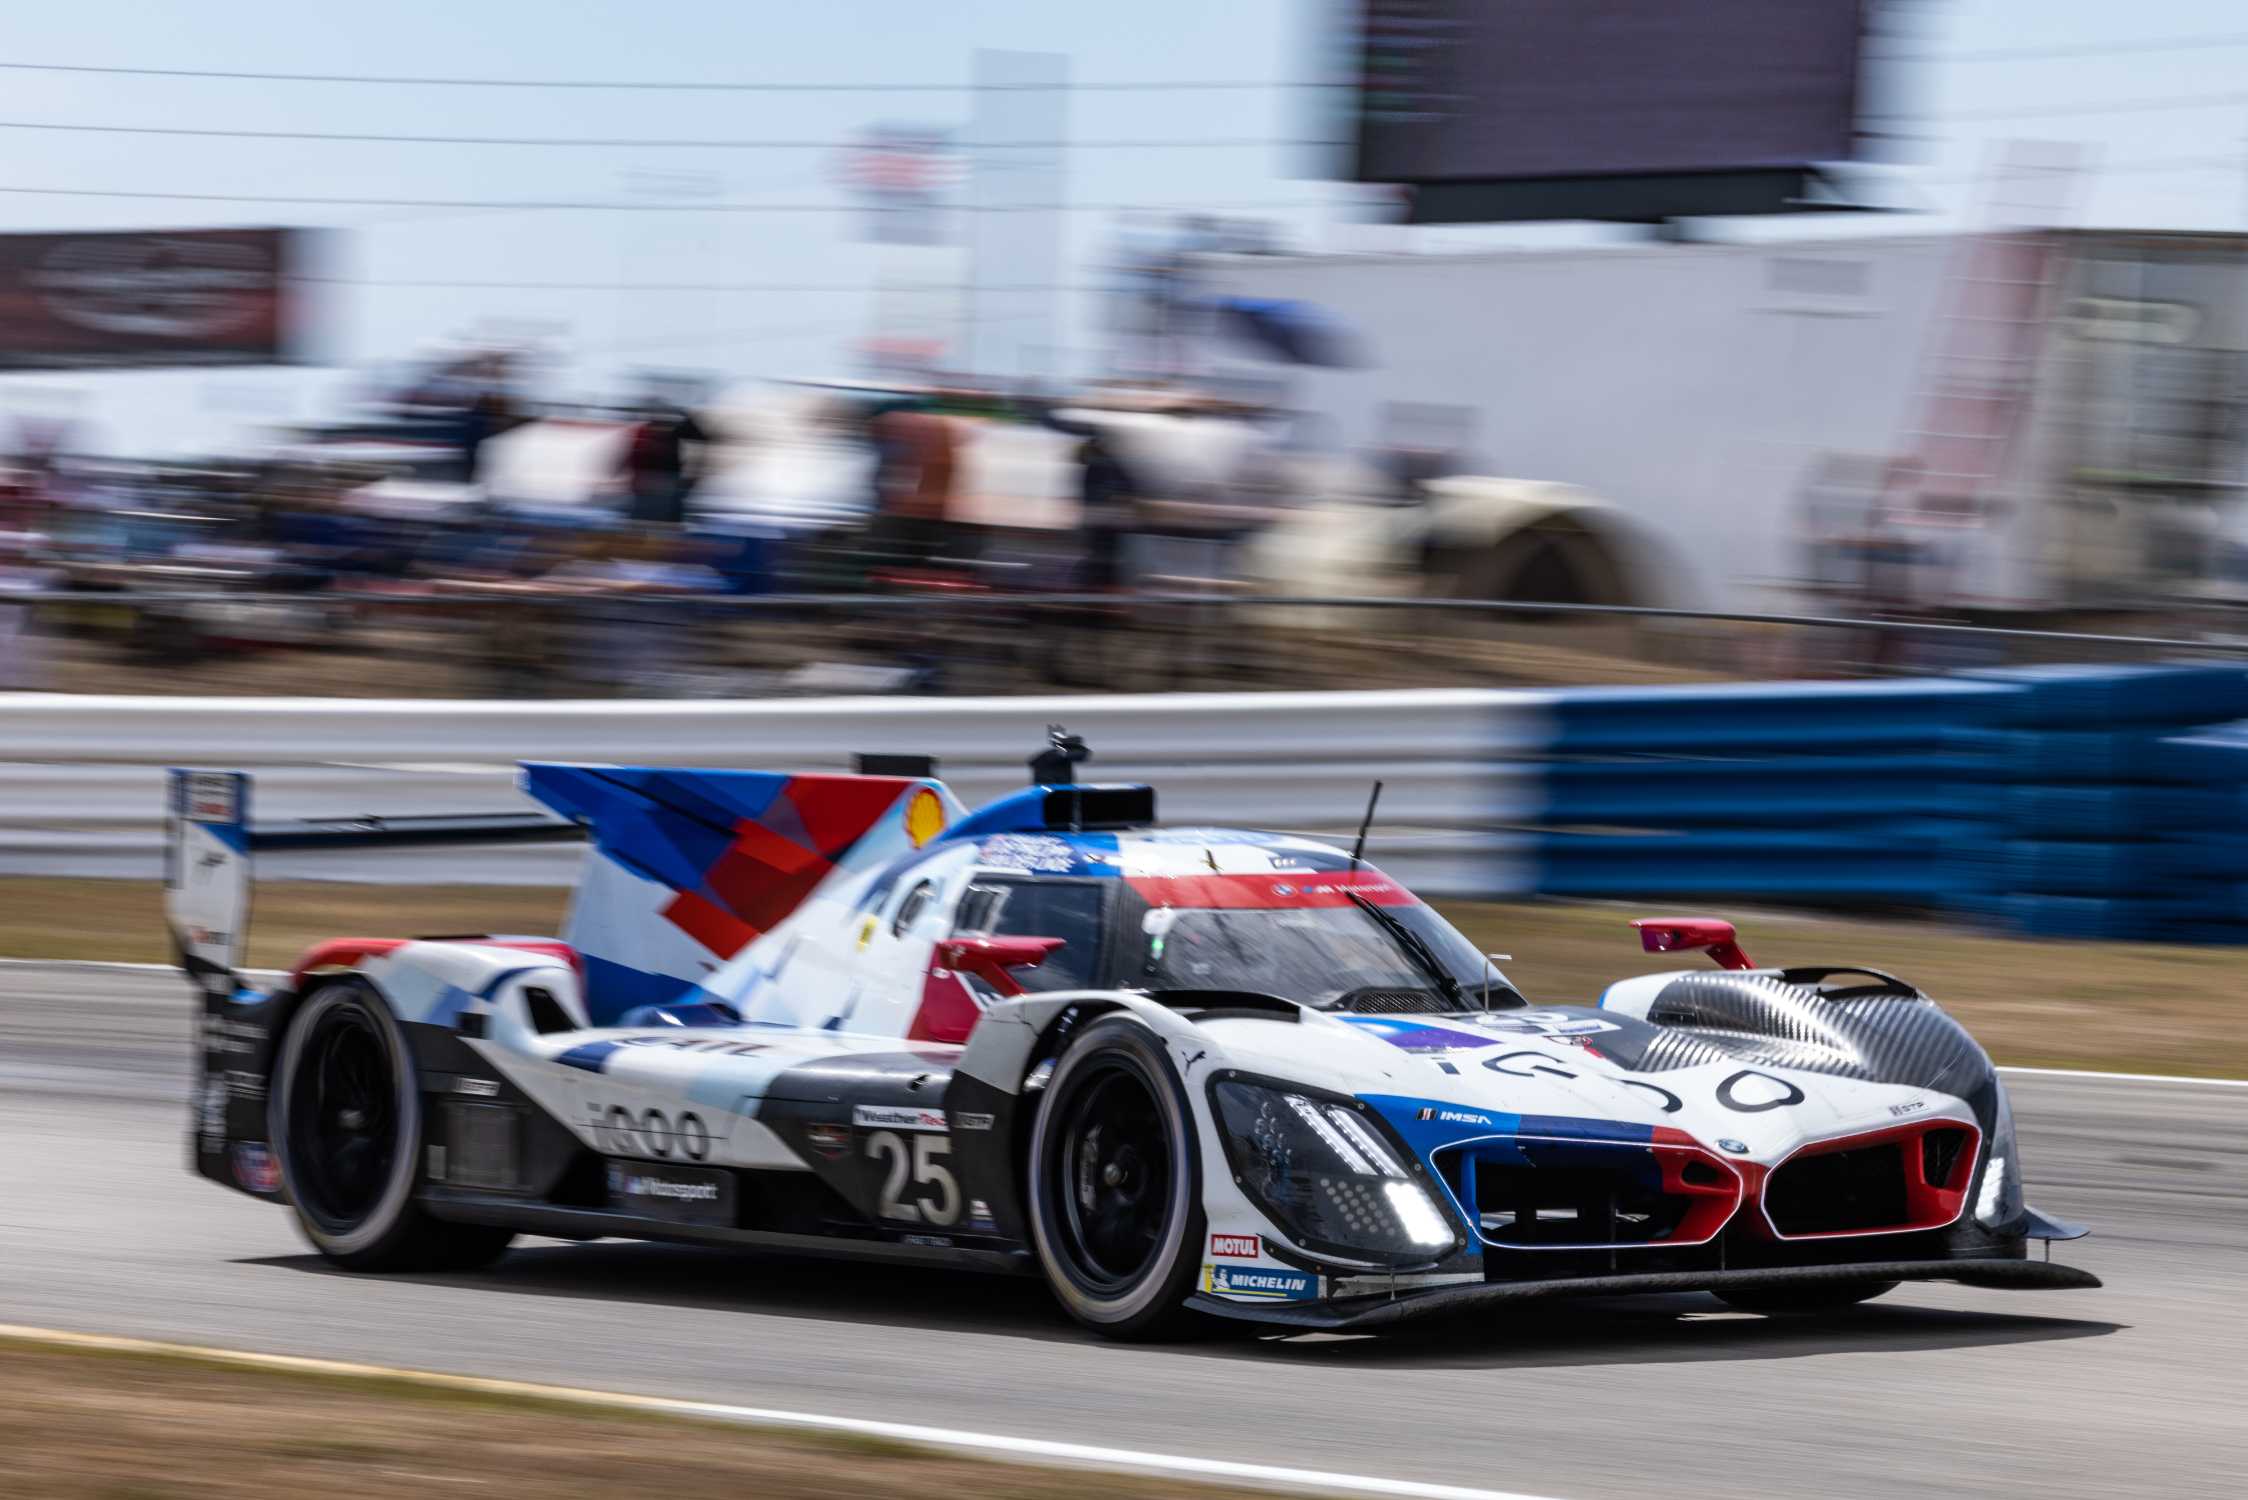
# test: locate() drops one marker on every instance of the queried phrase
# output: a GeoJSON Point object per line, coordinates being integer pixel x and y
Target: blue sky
{"type": "Point", "coordinates": [749, 333]}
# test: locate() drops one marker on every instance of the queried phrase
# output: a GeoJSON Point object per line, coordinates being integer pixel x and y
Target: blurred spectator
{"type": "Point", "coordinates": [22, 662]}
{"type": "Point", "coordinates": [917, 459]}
{"type": "Point", "coordinates": [658, 473]}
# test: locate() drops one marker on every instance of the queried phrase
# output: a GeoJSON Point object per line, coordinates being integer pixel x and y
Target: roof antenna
{"type": "Point", "coordinates": [1358, 850]}
{"type": "Point", "coordinates": [1056, 764]}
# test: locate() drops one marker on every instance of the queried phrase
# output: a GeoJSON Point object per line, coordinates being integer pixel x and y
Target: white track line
{"type": "Point", "coordinates": [96, 965]}
{"type": "Point", "coordinates": [994, 1445]}
{"type": "Point", "coordinates": [2215, 1083]}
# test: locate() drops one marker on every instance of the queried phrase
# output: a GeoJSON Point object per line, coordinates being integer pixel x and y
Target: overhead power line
{"type": "Point", "coordinates": [647, 206]}
{"type": "Point", "coordinates": [682, 85]}
{"type": "Point", "coordinates": [2151, 102]}
{"type": "Point", "coordinates": [712, 143]}
{"type": "Point", "coordinates": [2059, 50]}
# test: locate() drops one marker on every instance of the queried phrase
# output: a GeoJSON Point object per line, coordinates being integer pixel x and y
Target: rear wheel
{"type": "Point", "coordinates": [1817, 1297]}
{"type": "Point", "coordinates": [346, 1126]}
{"type": "Point", "coordinates": [1115, 1186]}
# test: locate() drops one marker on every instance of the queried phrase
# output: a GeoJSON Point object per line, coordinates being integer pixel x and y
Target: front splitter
{"type": "Point", "coordinates": [1363, 1313]}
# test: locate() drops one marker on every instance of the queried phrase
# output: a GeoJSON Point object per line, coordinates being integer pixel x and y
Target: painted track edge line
{"type": "Point", "coordinates": [993, 1445]}
{"type": "Point", "coordinates": [2215, 1083]}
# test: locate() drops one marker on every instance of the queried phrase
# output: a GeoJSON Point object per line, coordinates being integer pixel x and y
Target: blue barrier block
{"type": "Point", "coordinates": [2217, 754]}
{"type": "Point", "coordinates": [1783, 717]}
{"type": "Point", "coordinates": [2067, 755]}
{"type": "Point", "coordinates": [1900, 863]}
{"type": "Point", "coordinates": [2107, 919]}
{"type": "Point", "coordinates": [2075, 868]}
{"type": "Point", "coordinates": [2115, 812]}
{"type": "Point", "coordinates": [1669, 793]}
{"type": "Point", "coordinates": [2097, 697]}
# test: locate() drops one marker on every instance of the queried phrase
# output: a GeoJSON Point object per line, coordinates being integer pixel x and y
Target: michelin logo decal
{"type": "Point", "coordinates": [1261, 1282]}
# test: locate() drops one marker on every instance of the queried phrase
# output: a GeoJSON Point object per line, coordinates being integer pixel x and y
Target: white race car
{"type": "Point", "coordinates": [1182, 1073]}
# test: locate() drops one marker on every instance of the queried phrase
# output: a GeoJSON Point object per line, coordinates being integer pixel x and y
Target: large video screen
{"type": "Point", "coordinates": [1457, 90]}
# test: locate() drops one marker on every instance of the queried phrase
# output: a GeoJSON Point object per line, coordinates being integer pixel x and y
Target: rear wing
{"type": "Point", "coordinates": [210, 846]}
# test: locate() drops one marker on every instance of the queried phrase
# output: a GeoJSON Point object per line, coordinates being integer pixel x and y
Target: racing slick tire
{"type": "Point", "coordinates": [1115, 1186]}
{"type": "Point", "coordinates": [345, 1118]}
{"type": "Point", "coordinates": [1799, 1301]}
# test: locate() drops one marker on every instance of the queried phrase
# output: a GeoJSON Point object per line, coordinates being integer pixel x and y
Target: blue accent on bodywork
{"type": "Point", "coordinates": [613, 990]}
{"type": "Point", "coordinates": [1419, 1036]}
{"type": "Point", "coordinates": [689, 1014]}
{"type": "Point", "coordinates": [666, 826]}
{"type": "Point", "coordinates": [1017, 812]}
{"type": "Point", "coordinates": [1450, 1124]}
{"type": "Point", "coordinates": [591, 1056]}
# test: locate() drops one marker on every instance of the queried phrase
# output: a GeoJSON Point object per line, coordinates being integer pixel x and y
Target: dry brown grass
{"type": "Point", "coordinates": [2134, 1007]}
{"type": "Point", "coordinates": [117, 1426]}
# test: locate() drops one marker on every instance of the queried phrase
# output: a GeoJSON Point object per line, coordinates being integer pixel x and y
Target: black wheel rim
{"type": "Point", "coordinates": [343, 1126]}
{"type": "Point", "coordinates": [1112, 1176]}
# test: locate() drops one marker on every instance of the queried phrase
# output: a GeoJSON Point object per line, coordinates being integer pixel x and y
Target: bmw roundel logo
{"type": "Point", "coordinates": [1736, 1147]}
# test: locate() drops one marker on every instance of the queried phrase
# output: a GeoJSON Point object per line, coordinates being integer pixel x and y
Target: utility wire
{"type": "Point", "coordinates": [683, 85]}
{"type": "Point", "coordinates": [705, 144]}
{"type": "Point", "coordinates": [651, 206]}
{"type": "Point", "coordinates": [2147, 103]}
{"type": "Point", "coordinates": [2079, 49]}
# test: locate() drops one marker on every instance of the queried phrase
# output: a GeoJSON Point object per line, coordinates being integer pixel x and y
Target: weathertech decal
{"type": "Point", "coordinates": [1272, 1285]}
{"type": "Point", "coordinates": [896, 1117]}
{"type": "Point", "coordinates": [1239, 1246]}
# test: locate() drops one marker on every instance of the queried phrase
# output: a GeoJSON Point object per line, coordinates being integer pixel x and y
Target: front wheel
{"type": "Point", "coordinates": [1817, 1297]}
{"type": "Point", "coordinates": [346, 1127]}
{"type": "Point", "coordinates": [1115, 1186]}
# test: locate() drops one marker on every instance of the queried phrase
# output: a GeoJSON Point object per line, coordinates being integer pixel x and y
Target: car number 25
{"type": "Point", "coordinates": [919, 1160]}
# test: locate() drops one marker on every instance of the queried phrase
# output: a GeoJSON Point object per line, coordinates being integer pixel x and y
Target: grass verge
{"type": "Point", "coordinates": [2130, 1007]}
{"type": "Point", "coordinates": [114, 1425]}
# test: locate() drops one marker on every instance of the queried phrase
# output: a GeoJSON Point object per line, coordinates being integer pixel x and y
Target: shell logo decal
{"type": "Point", "coordinates": [924, 817]}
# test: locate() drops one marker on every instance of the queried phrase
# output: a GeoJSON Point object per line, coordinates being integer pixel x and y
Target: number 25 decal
{"type": "Point", "coordinates": [923, 1161]}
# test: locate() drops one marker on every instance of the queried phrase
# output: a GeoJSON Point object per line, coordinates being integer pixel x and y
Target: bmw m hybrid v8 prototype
{"type": "Point", "coordinates": [1181, 1073]}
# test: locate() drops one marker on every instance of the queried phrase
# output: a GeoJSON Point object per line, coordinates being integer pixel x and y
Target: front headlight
{"type": "Point", "coordinates": [1328, 1176]}
{"type": "Point", "coordinates": [1998, 1203]}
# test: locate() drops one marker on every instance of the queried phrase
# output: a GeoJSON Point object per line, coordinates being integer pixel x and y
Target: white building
{"type": "Point", "coordinates": [2048, 421]}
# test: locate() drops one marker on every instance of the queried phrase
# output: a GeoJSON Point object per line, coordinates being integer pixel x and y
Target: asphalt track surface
{"type": "Point", "coordinates": [1935, 1390]}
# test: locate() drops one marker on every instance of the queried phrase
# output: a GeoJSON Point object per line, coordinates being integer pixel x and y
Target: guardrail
{"type": "Point", "coordinates": [80, 776]}
{"type": "Point", "coordinates": [2066, 801]}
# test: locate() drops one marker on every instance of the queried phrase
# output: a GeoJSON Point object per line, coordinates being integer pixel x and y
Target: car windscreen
{"type": "Point", "coordinates": [1331, 957]}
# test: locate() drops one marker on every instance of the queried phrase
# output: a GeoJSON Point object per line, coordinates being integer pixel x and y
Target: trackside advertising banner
{"type": "Point", "coordinates": [153, 299]}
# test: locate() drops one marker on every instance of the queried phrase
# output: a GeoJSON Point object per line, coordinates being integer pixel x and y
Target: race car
{"type": "Point", "coordinates": [1184, 1074]}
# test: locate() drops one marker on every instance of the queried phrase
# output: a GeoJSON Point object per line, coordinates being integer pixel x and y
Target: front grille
{"type": "Point", "coordinates": [1940, 1154]}
{"type": "Point", "coordinates": [1532, 1194]}
{"type": "Point", "coordinates": [1540, 1206]}
{"type": "Point", "coordinates": [1839, 1192]}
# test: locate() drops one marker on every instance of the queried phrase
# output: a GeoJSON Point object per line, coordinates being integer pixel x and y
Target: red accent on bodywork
{"type": "Point", "coordinates": [1715, 1202]}
{"type": "Point", "coordinates": [1685, 934]}
{"type": "Point", "coordinates": [762, 877]}
{"type": "Point", "coordinates": [1927, 1205]}
{"type": "Point", "coordinates": [948, 1012]}
{"type": "Point", "coordinates": [350, 953]}
{"type": "Point", "coordinates": [340, 953]}
{"type": "Point", "coordinates": [1263, 892]}
{"type": "Point", "coordinates": [990, 958]}
{"type": "Point", "coordinates": [709, 924]}
{"type": "Point", "coordinates": [836, 811]}
{"type": "Point", "coordinates": [551, 947]}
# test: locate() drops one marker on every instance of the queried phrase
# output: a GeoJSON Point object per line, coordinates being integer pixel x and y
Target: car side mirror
{"type": "Point", "coordinates": [993, 959]}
